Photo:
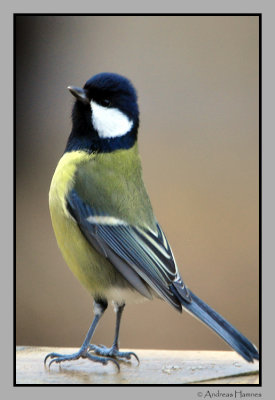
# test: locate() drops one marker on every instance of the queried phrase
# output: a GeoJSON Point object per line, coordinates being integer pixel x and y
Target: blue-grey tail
{"type": "Point", "coordinates": [215, 321]}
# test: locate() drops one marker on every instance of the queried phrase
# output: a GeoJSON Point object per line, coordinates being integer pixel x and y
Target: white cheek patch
{"type": "Point", "coordinates": [109, 122]}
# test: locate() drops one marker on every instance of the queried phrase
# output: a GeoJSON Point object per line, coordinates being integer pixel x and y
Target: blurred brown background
{"type": "Point", "coordinates": [197, 80]}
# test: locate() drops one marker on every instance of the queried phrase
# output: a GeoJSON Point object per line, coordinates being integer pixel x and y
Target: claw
{"type": "Point", "coordinates": [45, 359]}
{"type": "Point", "coordinates": [105, 360]}
{"type": "Point", "coordinates": [54, 360]}
{"type": "Point", "coordinates": [136, 357]}
{"type": "Point", "coordinates": [128, 355]}
{"type": "Point", "coordinates": [51, 355]}
{"type": "Point", "coordinates": [58, 358]}
{"type": "Point", "coordinates": [112, 352]}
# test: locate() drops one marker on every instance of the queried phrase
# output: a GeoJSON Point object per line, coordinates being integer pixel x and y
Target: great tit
{"type": "Point", "coordinates": [104, 223]}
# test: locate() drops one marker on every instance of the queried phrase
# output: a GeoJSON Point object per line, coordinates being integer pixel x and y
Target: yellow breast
{"type": "Point", "coordinates": [63, 179]}
{"type": "Point", "coordinates": [93, 271]}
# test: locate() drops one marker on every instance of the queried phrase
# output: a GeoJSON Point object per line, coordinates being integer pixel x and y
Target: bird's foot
{"type": "Point", "coordinates": [112, 352]}
{"type": "Point", "coordinates": [59, 358]}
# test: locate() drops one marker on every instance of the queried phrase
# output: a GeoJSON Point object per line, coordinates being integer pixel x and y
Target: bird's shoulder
{"type": "Point", "coordinates": [112, 184]}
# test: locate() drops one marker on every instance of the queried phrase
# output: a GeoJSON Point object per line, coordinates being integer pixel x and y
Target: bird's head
{"type": "Point", "coordinates": [105, 112]}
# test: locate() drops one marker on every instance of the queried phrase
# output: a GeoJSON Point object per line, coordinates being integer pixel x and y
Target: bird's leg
{"type": "Point", "coordinates": [114, 350]}
{"type": "Point", "coordinates": [99, 308]}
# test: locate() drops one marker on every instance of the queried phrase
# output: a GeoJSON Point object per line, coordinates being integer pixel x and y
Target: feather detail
{"type": "Point", "coordinates": [139, 253]}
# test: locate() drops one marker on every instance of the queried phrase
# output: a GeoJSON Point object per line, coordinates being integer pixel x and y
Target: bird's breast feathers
{"type": "Point", "coordinates": [63, 179]}
{"type": "Point", "coordinates": [111, 183]}
{"type": "Point", "coordinates": [112, 187]}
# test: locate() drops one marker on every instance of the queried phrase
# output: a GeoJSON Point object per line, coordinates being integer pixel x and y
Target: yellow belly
{"type": "Point", "coordinates": [92, 269]}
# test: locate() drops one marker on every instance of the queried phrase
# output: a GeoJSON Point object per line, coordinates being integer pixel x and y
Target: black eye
{"type": "Point", "coordinates": [106, 102]}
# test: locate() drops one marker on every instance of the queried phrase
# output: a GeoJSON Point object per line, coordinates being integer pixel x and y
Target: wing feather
{"type": "Point", "coordinates": [139, 253]}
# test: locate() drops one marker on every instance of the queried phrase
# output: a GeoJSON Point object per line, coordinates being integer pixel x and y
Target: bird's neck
{"type": "Point", "coordinates": [91, 142]}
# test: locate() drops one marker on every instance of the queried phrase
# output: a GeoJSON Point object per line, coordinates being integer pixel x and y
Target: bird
{"type": "Point", "coordinates": [105, 226]}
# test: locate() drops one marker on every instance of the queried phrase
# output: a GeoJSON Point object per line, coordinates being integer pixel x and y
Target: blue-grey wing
{"type": "Point", "coordinates": [143, 256]}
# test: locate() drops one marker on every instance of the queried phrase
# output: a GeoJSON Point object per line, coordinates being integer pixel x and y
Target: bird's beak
{"type": "Point", "coordinates": [79, 93]}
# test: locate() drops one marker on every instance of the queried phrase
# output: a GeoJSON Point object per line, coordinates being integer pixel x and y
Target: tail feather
{"type": "Point", "coordinates": [223, 328]}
